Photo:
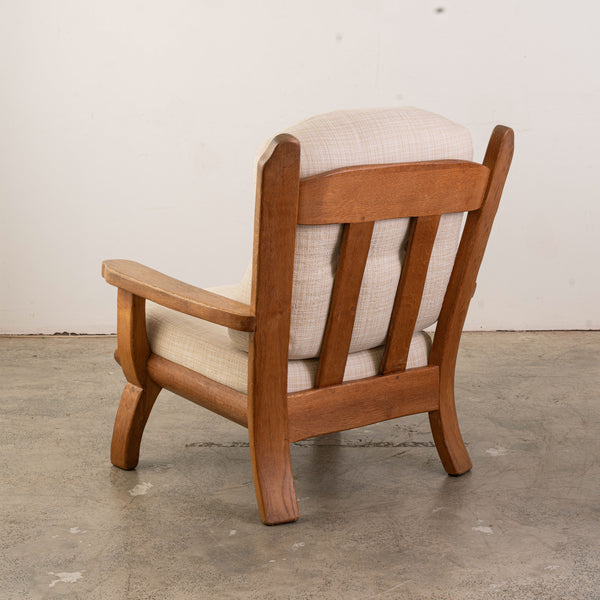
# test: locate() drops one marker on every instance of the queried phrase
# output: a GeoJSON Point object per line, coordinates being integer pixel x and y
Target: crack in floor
{"type": "Point", "coordinates": [330, 443]}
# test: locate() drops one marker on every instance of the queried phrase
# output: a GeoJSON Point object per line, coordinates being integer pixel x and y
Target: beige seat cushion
{"type": "Point", "coordinates": [355, 137]}
{"type": "Point", "coordinates": [207, 349]}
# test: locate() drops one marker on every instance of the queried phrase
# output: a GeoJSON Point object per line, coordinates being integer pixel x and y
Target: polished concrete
{"type": "Point", "coordinates": [379, 518]}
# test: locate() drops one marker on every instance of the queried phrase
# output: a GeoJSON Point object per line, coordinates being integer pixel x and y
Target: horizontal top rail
{"type": "Point", "coordinates": [376, 192]}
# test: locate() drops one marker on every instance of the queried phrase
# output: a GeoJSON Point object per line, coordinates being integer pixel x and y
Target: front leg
{"type": "Point", "coordinates": [134, 410]}
{"type": "Point", "coordinates": [140, 391]}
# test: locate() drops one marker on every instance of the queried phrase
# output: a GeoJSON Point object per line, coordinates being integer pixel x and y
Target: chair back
{"type": "Point", "coordinates": [365, 137]}
{"type": "Point", "coordinates": [365, 253]}
{"type": "Point", "coordinates": [352, 138]}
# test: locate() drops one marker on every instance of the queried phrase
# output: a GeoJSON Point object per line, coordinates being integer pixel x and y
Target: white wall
{"type": "Point", "coordinates": [128, 129]}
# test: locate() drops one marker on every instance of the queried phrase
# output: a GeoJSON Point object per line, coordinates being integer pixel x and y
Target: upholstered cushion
{"type": "Point", "coordinates": [330, 141]}
{"type": "Point", "coordinates": [206, 348]}
{"type": "Point", "coordinates": [355, 137]}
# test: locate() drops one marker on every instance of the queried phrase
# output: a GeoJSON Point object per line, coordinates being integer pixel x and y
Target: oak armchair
{"type": "Point", "coordinates": [359, 246]}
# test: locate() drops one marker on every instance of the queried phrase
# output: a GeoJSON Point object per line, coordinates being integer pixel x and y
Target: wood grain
{"type": "Point", "coordinates": [375, 192]}
{"type": "Point", "coordinates": [140, 391]}
{"type": "Point", "coordinates": [199, 389]}
{"type": "Point", "coordinates": [363, 402]}
{"type": "Point", "coordinates": [273, 266]}
{"type": "Point", "coordinates": [409, 293]}
{"type": "Point", "coordinates": [130, 422]}
{"type": "Point", "coordinates": [164, 290]}
{"type": "Point", "coordinates": [354, 249]}
{"type": "Point", "coordinates": [461, 287]}
{"type": "Point", "coordinates": [132, 342]}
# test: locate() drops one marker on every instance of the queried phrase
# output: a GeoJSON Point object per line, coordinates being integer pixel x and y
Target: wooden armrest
{"type": "Point", "coordinates": [164, 290]}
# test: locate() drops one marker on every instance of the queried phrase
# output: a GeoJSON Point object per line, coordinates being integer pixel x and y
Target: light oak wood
{"type": "Point", "coordinates": [408, 295]}
{"type": "Point", "coordinates": [376, 192]}
{"type": "Point", "coordinates": [354, 249]}
{"type": "Point", "coordinates": [363, 402]}
{"type": "Point", "coordinates": [355, 197]}
{"type": "Point", "coordinates": [273, 265]}
{"type": "Point", "coordinates": [164, 290]}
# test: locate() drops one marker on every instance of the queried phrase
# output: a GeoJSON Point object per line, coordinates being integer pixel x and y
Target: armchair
{"type": "Point", "coordinates": [359, 246]}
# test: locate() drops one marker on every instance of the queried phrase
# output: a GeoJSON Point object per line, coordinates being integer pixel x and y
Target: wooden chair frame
{"type": "Point", "coordinates": [355, 197]}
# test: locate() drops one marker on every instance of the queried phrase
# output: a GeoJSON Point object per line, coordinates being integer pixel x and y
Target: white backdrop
{"type": "Point", "coordinates": [128, 129]}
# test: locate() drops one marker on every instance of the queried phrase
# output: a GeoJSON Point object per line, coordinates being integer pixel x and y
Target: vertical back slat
{"type": "Point", "coordinates": [409, 293]}
{"type": "Point", "coordinates": [354, 249]}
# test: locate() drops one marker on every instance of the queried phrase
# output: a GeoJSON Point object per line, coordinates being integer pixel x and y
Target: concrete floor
{"type": "Point", "coordinates": [379, 518]}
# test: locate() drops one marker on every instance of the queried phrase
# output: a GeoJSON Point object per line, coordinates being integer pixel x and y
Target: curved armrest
{"type": "Point", "coordinates": [164, 290]}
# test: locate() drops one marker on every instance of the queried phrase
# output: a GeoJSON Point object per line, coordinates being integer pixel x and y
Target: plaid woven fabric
{"type": "Point", "coordinates": [374, 136]}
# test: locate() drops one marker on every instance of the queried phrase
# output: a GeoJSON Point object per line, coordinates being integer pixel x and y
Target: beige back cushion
{"type": "Point", "coordinates": [358, 137]}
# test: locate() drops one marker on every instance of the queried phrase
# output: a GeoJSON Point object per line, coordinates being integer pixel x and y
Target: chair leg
{"type": "Point", "coordinates": [273, 480]}
{"type": "Point", "coordinates": [446, 432]}
{"type": "Point", "coordinates": [132, 415]}
{"type": "Point", "coordinates": [140, 391]}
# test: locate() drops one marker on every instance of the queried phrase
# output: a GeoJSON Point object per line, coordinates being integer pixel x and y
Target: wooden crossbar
{"type": "Point", "coordinates": [376, 192]}
{"type": "Point", "coordinates": [363, 402]}
{"type": "Point", "coordinates": [199, 389]}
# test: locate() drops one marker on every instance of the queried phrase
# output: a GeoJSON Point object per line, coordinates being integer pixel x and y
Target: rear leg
{"type": "Point", "coordinates": [272, 474]}
{"type": "Point", "coordinates": [446, 432]}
